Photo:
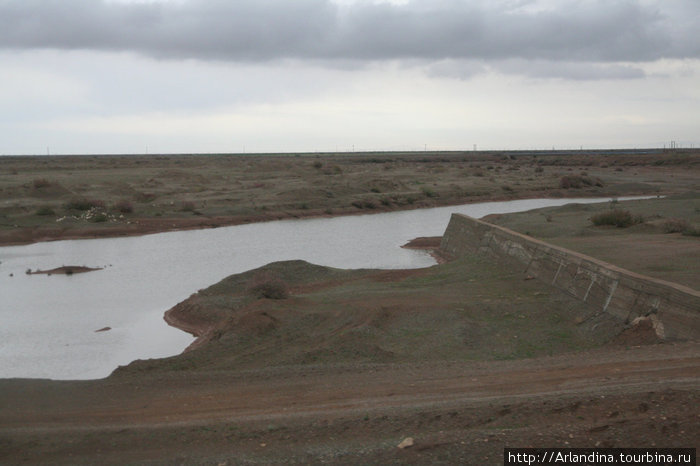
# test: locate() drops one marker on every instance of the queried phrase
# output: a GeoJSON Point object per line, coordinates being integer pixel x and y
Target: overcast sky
{"type": "Point", "coordinates": [170, 76]}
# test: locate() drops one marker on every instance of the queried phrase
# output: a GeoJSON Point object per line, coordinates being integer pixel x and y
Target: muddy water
{"type": "Point", "coordinates": [48, 323]}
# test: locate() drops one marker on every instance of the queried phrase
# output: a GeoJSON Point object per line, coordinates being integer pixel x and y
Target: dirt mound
{"type": "Point", "coordinates": [643, 331]}
{"type": "Point", "coordinates": [468, 309]}
{"type": "Point", "coordinates": [424, 242]}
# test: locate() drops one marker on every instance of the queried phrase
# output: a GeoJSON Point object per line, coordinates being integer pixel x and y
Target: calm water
{"type": "Point", "coordinates": [48, 323]}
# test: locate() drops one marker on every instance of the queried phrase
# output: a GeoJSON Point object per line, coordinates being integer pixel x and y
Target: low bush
{"type": "Point", "coordinates": [83, 204]}
{"type": "Point", "coordinates": [124, 206]}
{"type": "Point", "coordinates": [578, 181]}
{"type": "Point", "coordinates": [616, 217]}
{"type": "Point", "coordinates": [45, 211]}
{"type": "Point", "coordinates": [187, 206]}
{"type": "Point", "coordinates": [428, 192]}
{"type": "Point", "coordinates": [41, 183]}
{"type": "Point", "coordinates": [144, 197]}
{"type": "Point", "coordinates": [675, 225]}
{"type": "Point", "coordinates": [266, 285]}
{"type": "Point", "coordinates": [679, 225]}
{"type": "Point", "coordinates": [364, 204]}
{"type": "Point", "coordinates": [99, 218]}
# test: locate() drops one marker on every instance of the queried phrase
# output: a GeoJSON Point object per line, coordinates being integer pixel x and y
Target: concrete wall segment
{"type": "Point", "coordinates": [614, 290]}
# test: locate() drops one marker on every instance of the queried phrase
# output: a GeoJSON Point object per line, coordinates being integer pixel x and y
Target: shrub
{"type": "Point", "coordinates": [45, 211]}
{"type": "Point", "coordinates": [679, 225]}
{"type": "Point", "coordinates": [83, 204]}
{"type": "Point", "coordinates": [571, 181]}
{"type": "Point", "coordinates": [41, 183]}
{"type": "Point", "coordinates": [124, 206]}
{"type": "Point", "coordinates": [144, 197]}
{"type": "Point", "coordinates": [99, 218]}
{"type": "Point", "coordinates": [266, 285]}
{"type": "Point", "coordinates": [578, 181]}
{"type": "Point", "coordinates": [187, 206]}
{"type": "Point", "coordinates": [675, 225]}
{"type": "Point", "coordinates": [617, 217]}
{"type": "Point", "coordinates": [428, 192]}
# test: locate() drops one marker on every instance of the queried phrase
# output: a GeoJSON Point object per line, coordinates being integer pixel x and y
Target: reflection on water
{"type": "Point", "coordinates": [48, 323]}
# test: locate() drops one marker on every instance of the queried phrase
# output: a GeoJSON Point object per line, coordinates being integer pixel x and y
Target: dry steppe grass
{"type": "Point", "coordinates": [141, 194]}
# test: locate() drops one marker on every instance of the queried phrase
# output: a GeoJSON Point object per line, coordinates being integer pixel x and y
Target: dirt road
{"type": "Point", "coordinates": [466, 412]}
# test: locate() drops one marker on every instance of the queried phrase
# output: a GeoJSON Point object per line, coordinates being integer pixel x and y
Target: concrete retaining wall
{"type": "Point", "coordinates": [624, 294]}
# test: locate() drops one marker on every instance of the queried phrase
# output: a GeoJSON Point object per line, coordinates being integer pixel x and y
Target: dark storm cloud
{"type": "Point", "coordinates": [259, 30]}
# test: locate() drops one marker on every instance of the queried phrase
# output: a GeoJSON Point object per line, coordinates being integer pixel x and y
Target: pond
{"type": "Point", "coordinates": [49, 322]}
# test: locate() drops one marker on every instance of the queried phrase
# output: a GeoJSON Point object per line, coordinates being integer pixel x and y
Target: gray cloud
{"type": "Point", "coordinates": [260, 30]}
{"type": "Point", "coordinates": [537, 69]}
{"type": "Point", "coordinates": [570, 70]}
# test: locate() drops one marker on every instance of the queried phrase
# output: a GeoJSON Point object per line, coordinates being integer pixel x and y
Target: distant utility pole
{"type": "Point", "coordinates": [48, 152]}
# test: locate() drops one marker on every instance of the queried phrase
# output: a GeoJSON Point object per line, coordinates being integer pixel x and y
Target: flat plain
{"type": "Point", "coordinates": [44, 198]}
{"type": "Point", "coordinates": [298, 363]}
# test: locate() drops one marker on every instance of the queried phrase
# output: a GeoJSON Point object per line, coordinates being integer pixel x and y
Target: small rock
{"type": "Point", "coordinates": [406, 443]}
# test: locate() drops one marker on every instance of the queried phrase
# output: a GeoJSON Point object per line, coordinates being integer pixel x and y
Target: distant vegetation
{"type": "Point", "coordinates": [83, 204]}
{"type": "Point", "coordinates": [679, 225]}
{"type": "Point", "coordinates": [233, 189]}
{"type": "Point", "coordinates": [578, 181]}
{"type": "Point", "coordinates": [266, 285]}
{"type": "Point", "coordinates": [616, 217]}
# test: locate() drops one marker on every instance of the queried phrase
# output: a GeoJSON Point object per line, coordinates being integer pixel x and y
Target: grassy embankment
{"type": "Point", "coordinates": [659, 237]}
{"type": "Point", "coordinates": [469, 309]}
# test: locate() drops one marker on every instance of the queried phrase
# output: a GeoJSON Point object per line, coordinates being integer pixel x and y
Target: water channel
{"type": "Point", "coordinates": [48, 323]}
